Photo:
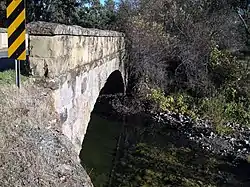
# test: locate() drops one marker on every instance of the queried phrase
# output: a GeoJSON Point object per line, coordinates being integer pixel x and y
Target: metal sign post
{"type": "Point", "coordinates": [18, 77]}
{"type": "Point", "coordinates": [16, 33]}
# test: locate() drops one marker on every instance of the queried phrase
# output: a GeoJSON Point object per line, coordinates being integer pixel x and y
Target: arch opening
{"type": "Point", "coordinates": [114, 84]}
{"type": "Point", "coordinates": [101, 139]}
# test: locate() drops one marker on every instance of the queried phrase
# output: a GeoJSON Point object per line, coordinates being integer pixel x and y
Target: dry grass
{"type": "Point", "coordinates": [33, 152]}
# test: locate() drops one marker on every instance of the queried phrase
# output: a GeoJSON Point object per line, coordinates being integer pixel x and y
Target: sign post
{"type": "Point", "coordinates": [16, 33]}
{"type": "Point", "coordinates": [18, 77]}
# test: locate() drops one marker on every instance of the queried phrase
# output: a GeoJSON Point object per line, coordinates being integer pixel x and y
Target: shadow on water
{"type": "Point", "coordinates": [99, 146]}
{"type": "Point", "coordinates": [164, 156]}
{"type": "Point", "coordinates": [151, 154]}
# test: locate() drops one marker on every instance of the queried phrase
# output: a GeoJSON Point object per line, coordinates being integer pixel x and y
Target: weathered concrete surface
{"type": "Point", "coordinates": [59, 48]}
{"type": "Point", "coordinates": [76, 97]}
{"type": "Point", "coordinates": [79, 61]}
{"type": "Point", "coordinates": [52, 29]}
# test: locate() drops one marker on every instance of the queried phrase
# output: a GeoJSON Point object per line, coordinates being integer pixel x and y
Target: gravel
{"type": "Point", "coordinates": [203, 132]}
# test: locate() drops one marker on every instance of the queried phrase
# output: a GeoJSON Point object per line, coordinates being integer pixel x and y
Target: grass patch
{"type": "Point", "coordinates": [147, 165]}
{"type": "Point", "coordinates": [9, 77]}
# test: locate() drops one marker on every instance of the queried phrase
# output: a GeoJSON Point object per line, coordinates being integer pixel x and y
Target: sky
{"type": "Point", "coordinates": [102, 1]}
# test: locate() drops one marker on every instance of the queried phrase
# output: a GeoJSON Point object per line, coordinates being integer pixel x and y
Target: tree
{"type": "Point", "coordinates": [110, 5]}
{"type": "Point", "coordinates": [2, 13]}
{"type": "Point", "coordinates": [96, 15]}
{"type": "Point", "coordinates": [52, 11]}
{"type": "Point", "coordinates": [110, 14]}
{"type": "Point", "coordinates": [86, 13]}
{"type": "Point", "coordinates": [171, 40]}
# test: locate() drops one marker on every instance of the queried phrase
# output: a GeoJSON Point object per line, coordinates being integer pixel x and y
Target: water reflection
{"type": "Point", "coordinates": [99, 148]}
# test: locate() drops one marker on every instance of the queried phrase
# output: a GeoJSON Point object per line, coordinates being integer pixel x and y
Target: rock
{"type": "Point", "coordinates": [236, 144]}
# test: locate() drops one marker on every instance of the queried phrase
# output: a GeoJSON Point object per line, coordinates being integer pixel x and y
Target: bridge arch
{"type": "Point", "coordinates": [77, 96]}
{"type": "Point", "coordinates": [79, 61]}
{"type": "Point", "coordinates": [114, 84]}
{"type": "Point", "coordinates": [102, 134]}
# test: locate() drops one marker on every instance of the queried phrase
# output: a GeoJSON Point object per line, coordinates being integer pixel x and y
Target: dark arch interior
{"type": "Point", "coordinates": [114, 84]}
{"type": "Point", "coordinates": [100, 142]}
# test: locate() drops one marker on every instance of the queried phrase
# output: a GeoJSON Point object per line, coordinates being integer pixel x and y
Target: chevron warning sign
{"type": "Point", "coordinates": [16, 29]}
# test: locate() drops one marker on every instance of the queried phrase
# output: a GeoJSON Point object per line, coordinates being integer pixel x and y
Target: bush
{"type": "Point", "coordinates": [212, 108]}
{"type": "Point", "coordinates": [179, 103]}
{"type": "Point", "coordinates": [237, 113]}
{"type": "Point", "coordinates": [230, 102]}
{"type": "Point", "coordinates": [220, 111]}
{"type": "Point", "coordinates": [223, 67]}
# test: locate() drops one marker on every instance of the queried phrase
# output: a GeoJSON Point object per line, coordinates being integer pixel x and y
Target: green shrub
{"type": "Point", "coordinates": [9, 77]}
{"type": "Point", "coordinates": [213, 109]}
{"type": "Point", "coordinates": [224, 68]}
{"type": "Point", "coordinates": [179, 103]}
{"type": "Point", "coordinates": [238, 113]}
{"type": "Point", "coordinates": [223, 129]}
{"type": "Point", "coordinates": [219, 110]}
{"type": "Point", "coordinates": [227, 106]}
{"type": "Point", "coordinates": [161, 102]}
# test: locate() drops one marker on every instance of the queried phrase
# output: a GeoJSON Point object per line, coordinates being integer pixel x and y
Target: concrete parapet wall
{"type": "Point", "coordinates": [59, 48]}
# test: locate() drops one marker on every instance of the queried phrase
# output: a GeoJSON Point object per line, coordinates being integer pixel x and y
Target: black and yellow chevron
{"type": "Point", "coordinates": [16, 29]}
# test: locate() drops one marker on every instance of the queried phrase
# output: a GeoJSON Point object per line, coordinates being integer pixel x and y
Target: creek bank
{"type": "Point", "coordinates": [176, 150]}
{"type": "Point", "coordinates": [33, 151]}
{"type": "Point", "coordinates": [235, 144]}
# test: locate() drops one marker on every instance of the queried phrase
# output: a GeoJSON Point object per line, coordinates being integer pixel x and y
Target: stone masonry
{"type": "Point", "coordinates": [78, 61]}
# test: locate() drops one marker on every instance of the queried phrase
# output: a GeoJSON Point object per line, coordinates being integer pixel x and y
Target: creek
{"type": "Point", "coordinates": [99, 148]}
{"type": "Point", "coordinates": [157, 150]}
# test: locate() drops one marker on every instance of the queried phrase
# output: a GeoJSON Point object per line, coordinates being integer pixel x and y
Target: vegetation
{"type": "Point", "coordinates": [161, 160]}
{"type": "Point", "coordinates": [157, 162]}
{"type": "Point", "coordinates": [9, 77]}
{"type": "Point", "coordinates": [196, 51]}
{"type": "Point", "coordinates": [216, 108]}
{"type": "Point", "coordinates": [193, 56]}
{"type": "Point", "coordinates": [86, 13]}
{"type": "Point", "coordinates": [178, 103]}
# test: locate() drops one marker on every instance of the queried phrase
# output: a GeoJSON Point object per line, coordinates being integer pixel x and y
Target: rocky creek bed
{"type": "Point", "coordinates": [173, 150]}
{"type": "Point", "coordinates": [233, 141]}
{"type": "Point", "coordinates": [170, 149]}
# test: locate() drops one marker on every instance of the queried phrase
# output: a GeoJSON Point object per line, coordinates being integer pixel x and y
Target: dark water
{"type": "Point", "coordinates": [166, 152]}
{"type": "Point", "coordinates": [99, 148]}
